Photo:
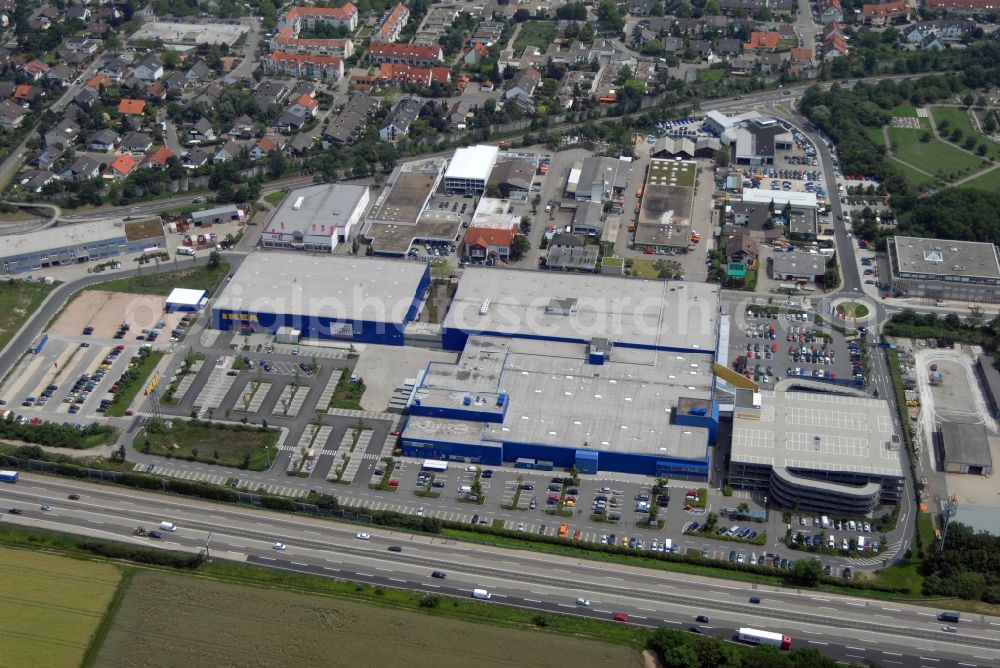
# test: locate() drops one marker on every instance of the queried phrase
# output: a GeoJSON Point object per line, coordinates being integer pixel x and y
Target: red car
{"type": "Point", "coordinates": [621, 617]}
{"type": "Point", "coordinates": [393, 483]}
{"type": "Point", "coordinates": [576, 535]}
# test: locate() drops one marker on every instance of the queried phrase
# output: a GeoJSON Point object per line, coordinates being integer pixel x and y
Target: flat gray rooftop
{"type": "Point", "coordinates": [800, 430]}
{"type": "Point", "coordinates": [346, 288]}
{"type": "Point", "coordinates": [396, 239]}
{"type": "Point", "coordinates": [966, 443]}
{"type": "Point", "coordinates": [328, 204]}
{"type": "Point", "coordinates": [62, 236]}
{"type": "Point", "coordinates": [556, 397]}
{"type": "Point", "coordinates": [405, 199]}
{"type": "Point", "coordinates": [942, 257]}
{"type": "Point", "coordinates": [556, 305]}
{"type": "Point", "coordinates": [652, 234]}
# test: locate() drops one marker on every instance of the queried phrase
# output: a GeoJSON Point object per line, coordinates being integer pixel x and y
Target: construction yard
{"type": "Point", "coordinates": [105, 311]}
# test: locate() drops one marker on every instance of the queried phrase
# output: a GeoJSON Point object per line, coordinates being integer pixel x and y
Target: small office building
{"type": "Point", "coordinates": [316, 218]}
{"type": "Point", "coordinates": [61, 245]}
{"type": "Point", "coordinates": [470, 169]}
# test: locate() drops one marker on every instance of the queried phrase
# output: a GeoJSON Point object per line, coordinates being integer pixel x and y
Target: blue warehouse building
{"type": "Point", "coordinates": [562, 370]}
{"type": "Point", "coordinates": [61, 245]}
{"type": "Point", "coordinates": [356, 299]}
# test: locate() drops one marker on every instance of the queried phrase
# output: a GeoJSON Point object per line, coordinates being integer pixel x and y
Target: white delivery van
{"type": "Point", "coordinates": [481, 594]}
{"type": "Point", "coordinates": [168, 526]}
{"type": "Point", "coordinates": [465, 489]}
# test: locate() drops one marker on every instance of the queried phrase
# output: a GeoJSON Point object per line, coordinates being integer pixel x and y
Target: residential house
{"type": "Point", "coordinates": [268, 93]}
{"type": "Point", "coordinates": [741, 248]}
{"type": "Point", "coordinates": [488, 33]}
{"type": "Point", "coordinates": [33, 180]}
{"type": "Point", "coordinates": [265, 146]}
{"type": "Point", "coordinates": [288, 41]}
{"type": "Point", "coordinates": [7, 89]}
{"type": "Point", "coordinates": [886, 13]}
{"type": "Point", "coordinates": [801, 64]}
{"type": "Point", "coordinates": [197, 157]}
{"type": "Point", "coordinates": [834, 47]}
{"type": "Point", "coordinates": [25, 94]}
{"type": "Point", "coordinates": [157, 160]}
{"type": "Point", "coordinates": [61, 75]}
{"type": "Point", "coordinates": [62, 136]}
{"type": "Point", "coordinates": [309, 17]}
{"type": "Point", "coordinates": [486, 243]}
{"type": "Point", "coordinates": [352, 120]}
{"type": "Point", "coordinates": [288, 122]}
{"type": "Point", "coordinates": [393, 23]}
{"type": "Point", "coordinates": [150, 69]}
{"type": "Point", "coordinates": [304, 65]}
{"type": "Point", "coordinates": [932, 43]}
{"type": "Point", "coordinates": [176, 82]}
{"type": "Point", "coordinates": [114, 68]}
{"type": "Point", "coordinates": [458, 112]}
{"type": "Point", "coordinates": [983, 7]}
{"type": "Point", "coordinates": [523, 86]}
{"type": "Point", "coordinates": [202, 131]}
{"type": "Point", "coordinates": [127, 107]}
{"type": "Point", "coordinates": [86, 98]}
{"type": "Point", "coordinates": [476, 55]}
{"type": "Point", "coordinates": [568, 252]}
{"type": "Point", "coordinates": [304, 106]}
{"type": "Point", "coordinates": [198, 72]}
{"type": "Point", "coordinates": [303, 88]}
{"type": "Point", "coordinates": [762, 41]}
{"type": "Point", "coordinates": [82, 45]}
{"type": "Point", "coordinates": [243, 128]}
{"type": "Point", "coordinates": [773, 62]}
{"type": "Point", "coordinates": [299, 145]}
{"type": "Point", "coordinates": [34, 70]}
{"type": "Point", "coordinates": [156, 92]}
{"type": "Point", "coordinates": [728, 47]}
{"type": "Point", "coordinates": [419, 76]}
{"type": "Point", "coordinates": [137, 143]}
{"type": "Point", "coordinates": [120, 168]}
{"type": "Point", "coordinates": [945, 29]}
{"type": "Point", "coordinates": [229, 151]}
{"type": "Point", "coordinates": [82, 169]}
{"type": "Point", "coordinates": [11, 115]}
{"type": "Point", "coordinates": [397, 123]}
{"type": "Point", "coordinates": [103, 141]}
{"type": "Point", "coordinates": [512, 177]}
{"type": "Point", "coordinates": [831, 11]}
{"type": "Point", "coordinates": [414, 55]}
{"type": "Point", "coordinates": [78, 13]}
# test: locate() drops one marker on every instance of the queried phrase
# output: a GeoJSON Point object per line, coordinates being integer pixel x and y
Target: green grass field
{"type": "Point", "coordinates": [935, 156]}
{"type": "Point", "coordinates": [347, 394]}
{"type": "Point", "coordinates": [274, 199]}
{"type": "Point", "coordinates": [132, 387]}
{"type": "Point", "coordinates": [203, 442]}
{"type": "Point", "coordinates": [959, 118]}
{"type": "Point", "coordinates": [18, 300]}
{"type": "Point", "coordinates": [51, 607]}
{"type": "Point", "coordinates": [988, 181]}
{"type": "Point", "coordinates": [714, 74]}
{"type": "Point", "coordinates": [230, 624]}
{"type": "Point", "coordinates": [198, 278]}
{"type": "Point", "coordinates": [916, 179]}
{"type": "Point", "coordinates": [535, 33]}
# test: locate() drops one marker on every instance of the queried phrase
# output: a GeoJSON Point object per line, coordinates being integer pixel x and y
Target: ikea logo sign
{"type": "Point", "coordinates": [243, 317]}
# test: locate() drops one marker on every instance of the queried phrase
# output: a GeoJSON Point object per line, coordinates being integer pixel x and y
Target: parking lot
{"type": "Point", "coordinates": [772, 342]}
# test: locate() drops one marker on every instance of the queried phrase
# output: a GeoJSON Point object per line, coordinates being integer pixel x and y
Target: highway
{"type": "Point", "coordinates": [849, 629]}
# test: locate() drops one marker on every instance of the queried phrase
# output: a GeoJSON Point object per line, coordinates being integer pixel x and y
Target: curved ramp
{"type": "Point", "coordinates": [818, 386]}
{"type": "Point", "coordinates": [32, 226]}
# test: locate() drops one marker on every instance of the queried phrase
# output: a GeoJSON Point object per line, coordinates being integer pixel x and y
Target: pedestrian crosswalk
{"type": "Point", "coordinates": [274, 490]}
{"type": "Point", "coordinates": [879, 559]}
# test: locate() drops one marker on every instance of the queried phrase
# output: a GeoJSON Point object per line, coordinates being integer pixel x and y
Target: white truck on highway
{"type": "Point", "coordinates": [758, 637]}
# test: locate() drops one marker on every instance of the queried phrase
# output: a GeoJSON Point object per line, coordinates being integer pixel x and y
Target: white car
{"type": "Point", "coordinates": [364, 536]}
{"type": "Point", "coordinates": [420, 511]}
{"type": "Point", "coordinates": [520, 526]}
{"type": "Point", "coordinates": [471, 469]}
{"type": "Point", "coordinates": [582, 601]}
{"type": "Point", "coordinates": [279, 546]}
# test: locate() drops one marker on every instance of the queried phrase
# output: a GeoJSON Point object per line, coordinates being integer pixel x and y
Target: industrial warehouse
{"type": "Point", "coordinates": [339, 298]}
{"type": "Point", "coordinates": [316, 218]}
{"type": "Point", "coordinates": [602, 382]}
{"type": "Point", "coordinates": [664, 221]}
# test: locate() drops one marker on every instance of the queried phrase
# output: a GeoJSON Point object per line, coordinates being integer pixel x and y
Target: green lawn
{"type": "Point", "coordinates": [535, 33]}
{"type": "Point", "coordinates": [198, 278]}
{"type": "Point", "coordinates": [135, 384]}
{"type": "Point", "coordinates": [215, 443]}
{"type": "Point", "coordinates": [935, 156]}
{"type": "Point", "coordinates": [875, 134]}
{"type": "Point", "coordinates": [988, 181]}
{"type": "Point", "coordinates": [916, 179]}
{"type": "Point", "coordinates": [18, 300]}
{"type": "Point", "coordinates": [959, 118]}
{"type": "Point", "coordinates": [274, 199]}
{"type": "Point", "coordinates": [714, 74]}
{"type": "Point", "coordinates": [347, 394]}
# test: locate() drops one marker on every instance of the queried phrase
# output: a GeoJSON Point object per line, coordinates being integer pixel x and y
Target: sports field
{"type": "Point", "coordinates": [935, 157]}
{"type": "Point", "coordinates": [183, 622]}
{"type": "Point", "coordinates": [51, 607]}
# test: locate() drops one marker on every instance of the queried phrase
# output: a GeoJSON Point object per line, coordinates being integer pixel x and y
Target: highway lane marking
{"type": "Point", "coordinates": [564, 605]}
{"type": "Point", "coordinates": [646, 609]}
{"type": "Point", "coordinates": [856, 649]}
{"type": "Point", "coordinates": [818, 642]}
{"type": "Point", "coordinates": [334, 570]}
{"type": "Point", "coordinates": [531, 600]}
{"type": "Point", "coordinates": [926, 614]}
{"type": "Point", "coordinates": [860, 605]}
{"type": "Point", "coordinates": [430, 585]}
{"type": "Point", "coordinates": [603, 612]}
{"type": "Point", "coordinates": [366, 575]}
{"type": "Point", "coordinates": [962, 663]}
{"type": "Point", "coordinates": [397, 580]}
{"type": "Point", "coordinates": [891, 653]}
{"type": "Point", "coordinates": [298, 563]}
{"type": "Point", "coordinates": [928, 658]}
{"type": "Point", "coordinates": [269, 558]}
{"type": "Point", "coordinates": [639, 617]}
{"type": "Point", "coordinates": [816, 598]}
{"type": "Point", "coordinates": [316, 533]}
{"type": "Point", "coordinates": [892, 609]}
{"type": "Point", "coordinates": [499, 596]}
{"type": "Point", "coordinates": [854, 656]}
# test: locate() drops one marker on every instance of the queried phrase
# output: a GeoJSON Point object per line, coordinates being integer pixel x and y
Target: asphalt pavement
{"type": "Point", "coordinates": [847, 628]}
